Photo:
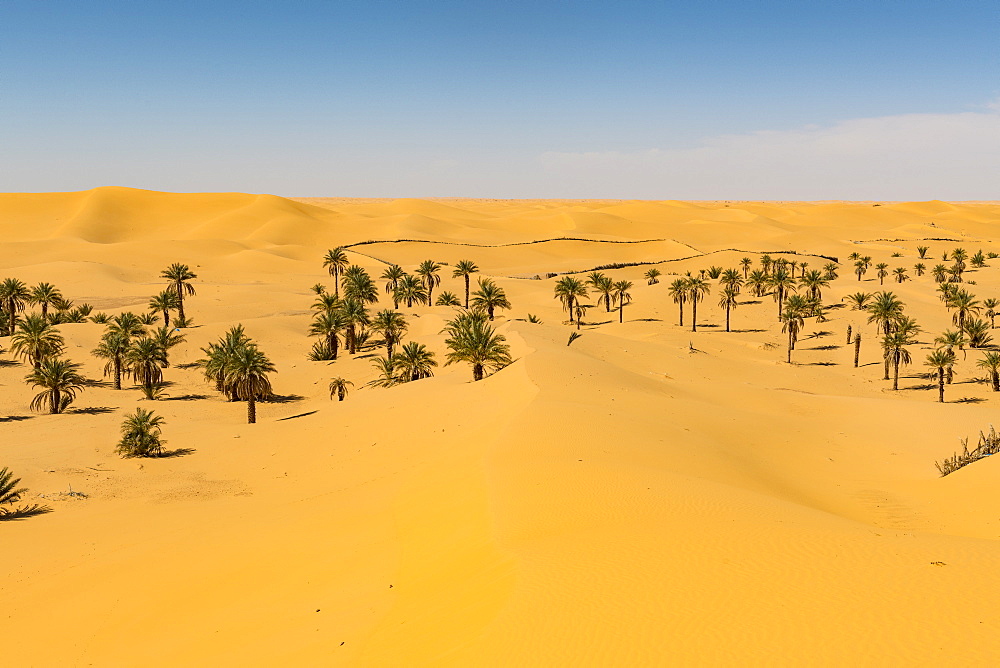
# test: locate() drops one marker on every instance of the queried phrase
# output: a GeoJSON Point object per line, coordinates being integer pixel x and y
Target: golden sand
{"type": "Point", "coordinates": [620, 501]}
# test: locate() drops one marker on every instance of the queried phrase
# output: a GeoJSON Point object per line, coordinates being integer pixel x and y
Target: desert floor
{"type": "Point", "coordinates": [625, 500]}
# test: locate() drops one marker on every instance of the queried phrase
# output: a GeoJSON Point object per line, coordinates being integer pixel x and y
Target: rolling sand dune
{"type": "Point", "coordinates": [647, 495]}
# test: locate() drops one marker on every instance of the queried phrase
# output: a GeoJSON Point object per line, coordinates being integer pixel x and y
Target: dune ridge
{"type": "Point", "coordinates": [646, 495]}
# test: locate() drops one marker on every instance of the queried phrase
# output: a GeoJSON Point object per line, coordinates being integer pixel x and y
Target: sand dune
{"type": "Point", "coordinates": [647, 495]}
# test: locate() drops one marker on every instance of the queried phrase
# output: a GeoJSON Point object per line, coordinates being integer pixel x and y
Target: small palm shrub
{"type": "Point", "coordinates": [320, 352]}
{"type": "Point", "coordinates": [100, 318]}
{"type": "Point", "coordinates": [141, 435]}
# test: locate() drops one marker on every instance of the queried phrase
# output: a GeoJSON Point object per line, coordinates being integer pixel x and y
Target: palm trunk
{"type": "Point", "coordinates": [680, 304]}
{"type": "Point", "coordinates": [118, 374]}
{"type": "Point", "coordinates": [180, 303]}
{"type": "Point", "coordinates": [331, 344]}
{"type": "Point", "coordinates": [849, 329]}
{"type": "Point", "coordinates": [430, 291]}
{"type": "Point", "coordinates": [166, 317]}
{"type": "Point", "coordinates": [466, 291]}
{"type": "Point", "coordinates": [607, 303]}
{"type": "Point", "coordinates": [54, 401]}
{"type": "Point", "coordinates": [489, 309]}
{"type": "Point", "coordinates": [857, 349]}
{"type": "Point", "coordinates": [45, 310]}
{"type": "Point", "coordinates": [886, 365]}
{"type": "Point", "coordinates": [694, 315]}
{"type": "Point", "coordinates": [791, 345]}
{"type": "Point", "coordinates": [251, 410]}
{"type": "Point", "coordinates": [621, 314]}
{"type": "Point", "coordinates": [941, 385]}
{"type": "Point", "coordinates": [996, 380]}
{"type": "Point", "coordinates": [477, 372]}
{"type": "Point", "coordinates": [388, 347]}
{"type": "Point", "coordinates": [571, 310]}
{"type": "Point", "coordinates": [351, 339]}
{"type": "Point", "coordinates": [895, 370]}
{"type": "Point", "coordinates": [336, 282]}
{"type": "Point", "coordinates": [727, 318]}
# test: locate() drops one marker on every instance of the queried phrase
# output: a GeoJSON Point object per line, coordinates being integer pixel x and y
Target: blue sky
{"type": "Point", "coordinates": [651, 100]}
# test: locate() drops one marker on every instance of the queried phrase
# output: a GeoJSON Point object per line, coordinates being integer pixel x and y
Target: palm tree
{"type": "Point", "coordinates": [991, 310]}
{"type": "Point", "coordinates": [569, 290]}
{"type": "Point", "coordinates": [387, 374]}
{"type": "Point", "coordinates": [112, 348]}
{"type": "Point", "coordinates": [335, 262]}
{"type": "Point", "coordinates": [359, 286]}
{"type": "Point", "coordinates": [471, 339]}
{"type": "Point", "coordinates": [325, 303]}
{"type": "Point", "coordinates": [857, 349]}
{"type": "Point", "coordinates": [410, 290]}
{"type": "Point", "coordinates": [218, 357]}
{"type": "Point", "coordinates": [950, 340]}
{"type": "Point", "coordinates": [13, 296]}
{"type": "Point", "coordinates": [978, 332]}
{"type": "Point", "coordinates": [603, 286]}
{"type": "Point", "coordinates": [959, 256]}
{"type": "Point", "coordinates": [180, 275]}
{"type": "Point", "coordinates": [939, 272]}
{"type": "Point", "coordinates": [781, 282]}
{"type": "Point", "coordinates": [746, 263]}
{"type": "Point", "coordinates": [465, 269]}
{"type": "Point", "coordinates": [830, 271]}
{"type": "Point", "coordinates": [727, 300]}
{"type": "Point", "coordinates": [679, 293]}
{"type": "Point", "coordinates": [45, 294]}
{"type": "Point", "coordinates": [356, 317]}
{"type": "Point", "coordinates": [814, 282]}
{"type": "Point", "coordinates": [991, 362]}
{"type": "Point", "coordinates": [392, 276]}
{"type": "Point", "coordinates": [882, 270]}
{"type": "Point", "coordinates": [698, 289]}
{"type": "Point", "coordinates": [859, 300]}
{"type": "Point", "coordinates": [145, 361]}
{"type": "Point", "coordinates": [978, 260]}
{"type": "Point", "coordinates": [447, 298]}
{"type": "Point", "coordinates": [246, 373]}
{"type": "Point", "coordinates": [940, 360]}
{"type": "Point", "coordinates": [490, 297]}
{"type": "Point", "coordinates": [329, 325]}
{"type": "Point", "coordinates": [428, 272]}
{"type": "Point", "coordinates": [900, 273]}
{"type": "Point", "coordinates": [652, 276]}
{"type": "Point", "coordinates": [60, 381]}
{"type": "Point", "coordinates": [10, 494]}
{"type": "Point", "coordinates": [413, 362]}
{"type": "Point", "coordinates": [128, 324]}
{"type": "Point", "coordinates": [964, 305]}
{"type": "Point", "coordinates": [318, 288]}
{"type": "Point", "coordinates": [765, 264]}
{"type": "Point", "coordinates": [622, 297]}
{"type": "Point", "coordinates": [860, 268]}
{"type": "Point", "coordinates": [338, 388]}
{"type": "Point", "coordinates": [793, 320]}
{"type": "Point", "coordinates": [165, 302]}
{"type": "Point", "coordinates": [854, 257]}
{"type": "Point", "coordinates": [894, 346]}
{"type": "Point", "coordinates": [731, 279]}
{"type": "Point", "coordinates": [922, 251]}
{"type": "Point", "coordinates": [392, 326]}
{"type": "Point", "coordinates": [919, 268]}
{"type": "Point", "coordinates": [36, 340]}
{"type": "Point", "coordinates": [884, 311]}
{"type": "Point", "coordinates": [141, 435]}
{"type": "Point", "coordinates": [757, 283]}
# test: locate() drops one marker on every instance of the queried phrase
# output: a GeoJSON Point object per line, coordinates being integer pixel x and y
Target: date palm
{"type": "Point", "coordinates": [746, 263]}
{"type": "Point", "coordinates": [325, 303]}
{"type": "Point", "coordinates": [765, 264]}
{"type": "Point", "coordinates": [145, 361]}
{"type": "Point", "coordinates": [991, 362]}
{"type": "Point", "coordinates": [35, 340]}
{"type": "Point", "coordinates": [781, 283]}
{"type": "Point", "coordinates": [950, 340]}
{"type": "Point", "coordinates": [900, 273]}
{"type": "Point", "coordinates": [965, 305]}
{"type": "Point", "coordinates": [329, 325]}
{"type": "Point", "coordinates": [793, 320]}
{"type": "Point", "coordinates": [602, 286]}
{"type": "Point", "coordinates": [113, 347]}
{"type": "Point", "coordinates": [338, 388]}
{"type": "Point", "coordinates": [447, 298]}
{"type": "Point", "coordinates": [218, 357]}
{"type": "Point", "coordinates": [727, 300]}
{"type": "Point", "coordinates": [490, 297]}
{"type": "Point", "coordinates": [392, 326]}
{"type": "Point", "coordinates": [757, 283]}
{"type": "Point", "coordinates": [830, 271]}
{"type": "Point", "coordinates": [859, 300]}
{"type": "Point", "coordinates": [940, 360]}
{"type": "Point", "coordinates": [885, 310]}
{"type": "Point", "coordinates": [622, 297]}
{"type": "Point", "coordinates": [141, 435]}
{"type": "Point", "coordinates": [359, 286]}
{"type": "Point", "coordinates": [410, 290]}
{"type": "Point", "coordinates": [45, 294]}
{"type": "Point", "coordinates": [13, 296]}
{"type": "Point", "coordinates": [180, 277]}
{"type": "Point", "coordinates": [336, 262]}
{"type": "Point", "coordinates": [569, 290]}
{"type": "Point", "coordinates": [392, 276]}
{"type": "Point", "coordinates": [60, 381]}
{"type": "Point", "coordinates": [165, 302]}
{"type": "Point", "coordinates": [465, 269]}
{"type": "Point", "coordinates": [922, 251]}
{"type": "Point", "coordinates": [356, 317]}
{"type": "Point", "coordinates": [652, 276]}
{"type": "Point", "coordinates": [919, 268]}
{"type": "Point", "coordinates": [698, 289]}
{"type": "Point", "coordinates": [978, 332]}
{"type": "Point", "coordinates": [940, 273]}
{"type": "Point", "coordinates": [679, 293]}
{"type": "Point", "coordinates": [881, 270]}
{"type": "Point", "coordinates": [894, 346]}
{"type": "Point", "coordinates": [814, 282]}
{"type": "Point", "coordinates": [413, 361]}
{"type": "Point", "coordinates": [471, 339]}
{"type": "Point", "coordinates": [991, 310]}
{"type": "Point", "coordinates": [428, 272]}
{"type": "Point", "coordinates": [247, 374]}
{"type": "Point", "coordinates": [387, 374]}
{"type": "Point", "coordinates": [731, 278]}
{"type": "Point", "coordinates": [959, 256]}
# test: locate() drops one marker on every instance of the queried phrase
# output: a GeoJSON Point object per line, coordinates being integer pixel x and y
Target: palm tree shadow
{"type": "Point", "coordinates": [188, 365]}
{"type": "Point", "coordinates": [646, 320]}
{"type": "Point", "coordinates": [818, 334]}
{"type": "Point", "coordinates": [818, 364]}
{"type": "Point", "coordinates": [16, 418]}
{"type": "Point", "coordinates": [284, 398]}
{"type": "Point", "coordinates": [177, 452]}
{"type": "Point", "coordinates": [92, 410]}
{"type": "Point", "coordinates": [4, 363]}
{"type": "Point", "coordinates": [747, 331]}
{"type": "Point", "coordinates": [23, 512]}
{"type": "Point", "coordinates": [925, 386]}
{"type": "Point", "coordinates": [827, 347]}
{"type": "Point", "coordinates": [186, 397]}
{"type": "Point", "coordinates": [970, 400]}
{"type": "Point", "coordinates": [292, 417]}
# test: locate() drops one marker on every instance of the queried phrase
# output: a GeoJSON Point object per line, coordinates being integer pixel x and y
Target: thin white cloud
{"type": "Point", "coordinates": [905, 157]}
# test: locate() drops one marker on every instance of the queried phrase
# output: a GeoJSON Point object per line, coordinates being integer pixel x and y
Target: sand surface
{"type": "Point", "coordinates": [621, 501]}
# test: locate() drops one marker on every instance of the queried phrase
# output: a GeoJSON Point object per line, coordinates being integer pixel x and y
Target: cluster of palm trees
{"type": "Point", "coordinates": [942, 273]}
{"type": "Point", "coordinates": [570, 291]}
{"type": "Point", "coordinates": [239, 369]}
{"type": "Point", "coordinates": [128, 349]}
{"type": "Point", "coordinates": [55, 309]}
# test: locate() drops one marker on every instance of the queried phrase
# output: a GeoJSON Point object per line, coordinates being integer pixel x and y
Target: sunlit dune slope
{"type": "Point", "coordinates": [647, 495]}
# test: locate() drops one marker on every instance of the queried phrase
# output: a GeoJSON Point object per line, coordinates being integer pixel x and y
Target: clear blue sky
{"type": "Point", "coordinates": [506, 99]}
